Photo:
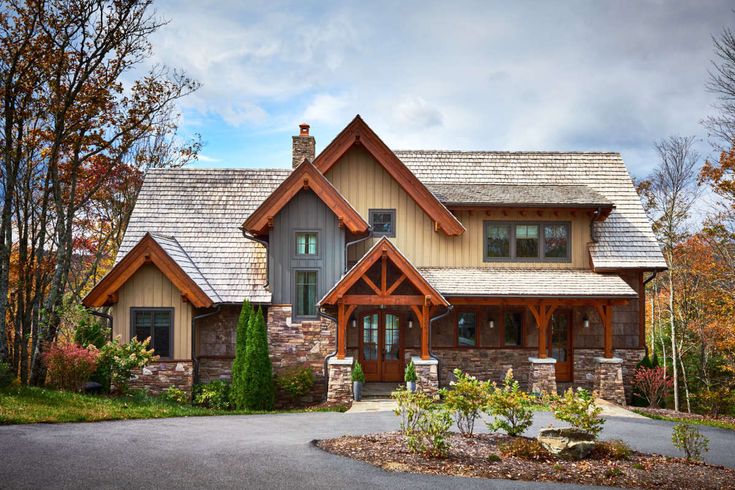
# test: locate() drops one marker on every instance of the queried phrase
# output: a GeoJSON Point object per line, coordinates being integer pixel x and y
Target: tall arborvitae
{"type": "Point", "coordinates": [258, 372]}
{"type": "Point", "coordinates": [237, 393]}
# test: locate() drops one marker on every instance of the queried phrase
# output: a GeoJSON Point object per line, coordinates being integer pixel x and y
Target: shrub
{"type": "Point", "coordinates": [237, 393]}
{"type": "Point", "coordinates": [466, 399]}
{"type": "Point", "coordinates": [715, 402]}
{"type": "Point", "coordinates": [511, 407]}
{"type": "Point", "coordinates": [258, 372]}
{"type": "Point", "coordinates": [578, 410]}
{"type": "Point", "coordinates": [118, 360]}
{"type": "Point", "coordinates": [411, 406]}
{"type": "Point", "coordinates": [215, 395]}
{"type": "Point", "coordinates": [174, 394]}
{"type": "Point", "coordinates": [430, 434]}
{"type": "Point", "coordinates": [91, 332]}
{"type": "Point", "coordinates": [410, 375]}
{"type": "Point", "coordinates": [524, 448]}
{"type": "Point", "coordinates": [6, 375]}
{"type": "Point", "coordinates": [652, 384]}
{"type": "Point", "coordinates": [357, 374]}
{"type": "Point", "coordinates": [614, 449]}
{"type": "Point", "coordinates": [70, 366]}
{"type": "Point", "coordinates": [296, 382]}
{"type": "Point", "coordinates": [689, 440]}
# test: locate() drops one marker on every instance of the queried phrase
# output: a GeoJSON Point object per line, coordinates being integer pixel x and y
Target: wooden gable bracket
{"type": "Point", "coordinates": [542, 313]}
{"type": "Point", "coordinates": [306, 184]}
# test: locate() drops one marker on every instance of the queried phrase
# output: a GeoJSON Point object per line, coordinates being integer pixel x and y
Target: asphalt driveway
{"type": "Point", "coordinates": [259, 451]}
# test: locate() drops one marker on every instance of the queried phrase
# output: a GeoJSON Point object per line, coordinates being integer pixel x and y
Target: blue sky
{"type": "Point", "coordinates": [612, 76]}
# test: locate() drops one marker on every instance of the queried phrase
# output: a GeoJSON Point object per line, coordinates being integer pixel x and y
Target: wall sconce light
{"type": "Point", "coordinates": [410, 323]}
{"type": "Point", "coordinates": [586, 322]}
{"type": "Point", "coordinates": [354, 323]}
{"type": "Point", "coordinates": [491, 323]}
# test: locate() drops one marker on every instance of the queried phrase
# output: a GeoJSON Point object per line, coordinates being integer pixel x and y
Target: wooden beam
{"type": "Point", "coordinates": [425, 332]}
{"type": "Point", "coordinates": [519, 301]}
{"type": "Point", "coordinates": [384, 272]}
{"type": "Point", "coordinates": [395, 285]}
{"type": "Point", "coordinates": [372, 285]}
{"type": "Point", "coordinates": [341, 331]}
{"type": "Point", "coordinates": [368, 299]}
{"type": "Point", "coordinates": [606, 316]}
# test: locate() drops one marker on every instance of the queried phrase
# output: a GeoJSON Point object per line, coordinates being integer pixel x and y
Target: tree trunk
{"type": "Point", "coordinates": [674, 370]}
{"type": "Point", "coordinates": [686, 383]}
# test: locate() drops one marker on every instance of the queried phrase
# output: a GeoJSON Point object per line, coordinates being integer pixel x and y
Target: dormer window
{"type": "Point", "coordinates": [527, 242]}
{"type": "Point", "coordinates": [307, 243]}
{"type": "Point", "coordinates": [383, 222]}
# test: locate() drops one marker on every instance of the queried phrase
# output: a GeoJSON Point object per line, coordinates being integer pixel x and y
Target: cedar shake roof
{"type": "Point", "coordinates": [529, 196]}
{"type": "Point", "coordinates": [203, 210]}
{"type": "Point", "coordinates": [536, 283]}
{"type": "Point", "coordinates": [624, 240]}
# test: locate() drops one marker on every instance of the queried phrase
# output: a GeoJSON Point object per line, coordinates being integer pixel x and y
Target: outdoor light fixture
{"type": "Point", "coordinates": [491, 323]}
{"type": "Point", "coordinates": [354, 323]}
{"type": "Point", "coordinates": [586, 322]}
{"type": "Point", "coordinates": [410, 323]}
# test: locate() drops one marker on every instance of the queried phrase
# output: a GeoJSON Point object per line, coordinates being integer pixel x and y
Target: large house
{"type": "Point", "coordinates": [480, 260]}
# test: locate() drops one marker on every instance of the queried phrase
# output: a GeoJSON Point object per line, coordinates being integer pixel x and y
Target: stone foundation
{"type": "Point", "coordinates": [542, 375]}
{"type": "Point", "coordinates": [339, 389]}
{"type": "Point", "coordinates": [609, 379]}
{"type": "Point", "coordinates": [158, 376]}
{"type": "Point", "coordinates": [215, 368]}
{"type": "Point", "coordinates": [427, 374]}
{"type": "Point", "coordinates": [485, 364]}
{"type": "Point", "coordinates": [585, 367]}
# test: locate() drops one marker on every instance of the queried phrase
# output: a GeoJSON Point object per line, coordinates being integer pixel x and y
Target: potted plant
{"type": "Point", "coordinates": [410, 376]}
{"type": "Point", "coordinates": [358, 378]}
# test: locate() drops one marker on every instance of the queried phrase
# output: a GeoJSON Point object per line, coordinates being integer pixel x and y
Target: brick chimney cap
{"type": "Point", "coordinates": [304, 129]}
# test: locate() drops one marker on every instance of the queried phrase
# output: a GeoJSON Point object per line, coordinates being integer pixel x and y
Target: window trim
{"type": "Point", "coordinates": [512, 249]}
{"type": "Point", "coordinates": [296, 253]}
{"type": "Point", "coordinates": [477, 313]}
{"type": "Point", "coordinates": [294, 315]}
{"type": "Point", "coordinates": [392, 212]}
{"type": "Point", "coordinates": [172, 327]}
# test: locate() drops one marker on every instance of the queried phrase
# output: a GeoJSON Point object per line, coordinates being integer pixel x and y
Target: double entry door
{"type": "Point", "coordinates": [380, 348]}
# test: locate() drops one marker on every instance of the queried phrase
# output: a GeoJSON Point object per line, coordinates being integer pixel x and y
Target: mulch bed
{"type": "Point", "coordinates": [661, 412]}
{"type": "Point", "coordinates": [473, 458]}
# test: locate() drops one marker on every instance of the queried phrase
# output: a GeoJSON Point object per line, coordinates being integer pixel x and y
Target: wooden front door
{"type": "Point", "coordinates": [381, 352]}
{"type": "Point", "coordinates": [560, 344]}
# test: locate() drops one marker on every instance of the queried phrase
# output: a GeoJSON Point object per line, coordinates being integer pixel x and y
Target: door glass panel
{"type": "Point", "coordinates": [370, 337]}
{"type": "Point", "coordinates": [560, 336]}
{"type": "Point", "coordinates": [392, 344]}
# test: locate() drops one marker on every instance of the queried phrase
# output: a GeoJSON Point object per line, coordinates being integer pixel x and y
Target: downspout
{"type": "Point", "coordinates": [107, 316]}
{"type": "Point", "coordinates": [194, 358]}
{"type": "Point", "coordinates": [267, 255]}
{"type": "Point", "coordinates": [431, 323]}
{"type": "Point", "coordinates": [353, 242]}
{"type": "Point", "coordinates": [331, 354]}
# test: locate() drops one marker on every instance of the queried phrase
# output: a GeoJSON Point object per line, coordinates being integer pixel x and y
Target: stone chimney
{"type": "Point", "coordinates": [304, 146]}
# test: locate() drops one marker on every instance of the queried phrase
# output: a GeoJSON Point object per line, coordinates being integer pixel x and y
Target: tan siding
{"type": "Point", "coordinates": [150, 288]}
{"type": "Point", "coordinates": [365, 184]}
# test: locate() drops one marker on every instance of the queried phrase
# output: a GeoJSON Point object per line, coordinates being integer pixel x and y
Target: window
{"type": "Point", "coordinates": [156, 323]}
{"type": "Point", "coordinates": [556, 241]}
{"type": "Point", "coordinates": [466, 328]}
{"type": "Point", "coordinates": [497, 241]}
{"type": "Point", "coordinates": [527, 241]}
{"type": "Point", "coordinates": [513, 325]}
{"type": "Point", "coordinates": [306, 242]}
{"type": "Point", "coordinates": [305, 294]}
{"type": "Point", "coordinates": [383, 222]}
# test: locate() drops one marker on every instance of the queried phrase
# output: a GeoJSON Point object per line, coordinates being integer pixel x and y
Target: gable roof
{"type": "Point", "coordinates": [383, 247]}
{"type": "Point", "coordinates": [624, 240]}
{"type": "Point", "coordinates": [305, 176]}
{"type": "Point", "coordinates": [173, 262]}
{"type": "Point", "coordinates": [359, 133]}
{"type": "Point", "coordinates": [514, 195]}
{"type": "Point", "coordinates": [203, 210]}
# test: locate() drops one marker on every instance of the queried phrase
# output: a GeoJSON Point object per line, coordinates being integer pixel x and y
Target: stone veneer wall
{"type": "Point", "coordinates": [485, 364]}
{"type": "Point", "coordinates": [585, 365]}
{"type": "Point", "coordinates": [160, 375]}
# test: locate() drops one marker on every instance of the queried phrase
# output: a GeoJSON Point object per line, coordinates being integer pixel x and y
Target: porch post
{"type": "Point", "coordinates": [425, 332]}
{"type": "Point", "coordinates": [341, 330]}
{"type": "Point", "coordinates": [605, 312]}
{"type": "Point", "coordinates": [542, 313]}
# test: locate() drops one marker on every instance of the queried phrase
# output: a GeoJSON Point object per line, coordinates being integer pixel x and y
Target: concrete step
{"type": "Point", "coordinates": [378, 390]}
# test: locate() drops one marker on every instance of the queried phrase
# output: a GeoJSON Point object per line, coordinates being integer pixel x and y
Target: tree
{"type": "Point", "coordinates": [721, 126]}
{"type": "Point", "coordinates": [237, 392]}
{"type": "Point", "coordinates": [258, 371]}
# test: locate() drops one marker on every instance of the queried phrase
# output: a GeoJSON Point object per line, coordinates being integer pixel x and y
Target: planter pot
{"type": "Point", "coordinates": [357, 390]}
{"type": "Point", "coordinates": [411, 385]}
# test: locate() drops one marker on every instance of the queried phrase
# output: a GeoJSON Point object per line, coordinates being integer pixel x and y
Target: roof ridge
{"type": "Point", "coordinates": [511, 152]}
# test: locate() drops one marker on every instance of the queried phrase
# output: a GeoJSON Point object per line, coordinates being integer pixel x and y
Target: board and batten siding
{"type": "Point", "coordinates": [305, 212]}
{"type": "Point", "coordinates": [149, 288]}
{"type": "Point", "coordinates": [366, 185]}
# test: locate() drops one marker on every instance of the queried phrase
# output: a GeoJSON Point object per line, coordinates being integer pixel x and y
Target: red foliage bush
{"type": "Point", "coordinates": [653, 384]}
{"type": "Point", "coordinates": [70, 366]}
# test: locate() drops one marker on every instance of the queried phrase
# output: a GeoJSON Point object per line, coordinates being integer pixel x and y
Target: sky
{"type": "Point", "coordinates": [458, 75]}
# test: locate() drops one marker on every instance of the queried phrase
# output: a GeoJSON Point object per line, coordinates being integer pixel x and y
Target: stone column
{"type": "Point", "coordinates": [609, 379]}
{"type": "Point", "coordinates": [339, 388]}
{"type": "Point", "coordinates": [542, 375]}
{"type": "Point", "coordinates": [427, 372]}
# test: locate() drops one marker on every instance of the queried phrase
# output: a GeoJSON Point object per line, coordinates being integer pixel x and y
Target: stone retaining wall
{"type": "Point", "coordinates": [160, 375]}
{"type": "Point", "coordinates": [585, 366]}
{"type": "Point", "coordinates": [485, 364]}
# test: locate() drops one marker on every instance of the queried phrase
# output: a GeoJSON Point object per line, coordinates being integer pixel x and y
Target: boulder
{"type": "Point", "coordinates": [567, 443]}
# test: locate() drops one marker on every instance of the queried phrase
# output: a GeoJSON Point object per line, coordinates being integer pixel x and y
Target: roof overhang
{"type": "Point", "coordinates": [359, 133]}
{"type": "Point", "coordinates": [305, 177]}
{"type": "Point", "coordinates": [146, 251]}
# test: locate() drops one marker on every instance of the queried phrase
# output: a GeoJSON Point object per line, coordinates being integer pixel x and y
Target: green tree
{"type": "Point", "coordinates": [258, 372]}
{"type": "Point", "coordinates": [237, 393]}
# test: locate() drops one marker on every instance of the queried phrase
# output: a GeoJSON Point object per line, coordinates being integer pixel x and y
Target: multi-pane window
{"type": "Point", "coordinates": [513, 325]}
{"type": "Point", "coordinates": [467, 328]}
{"type": "Point", "coordinates": [156, 323]}
{"type": "Point", "coordinates": [527, 241]}
{"type": "Point", "coordinates": [383, 222]}
{"type": "Point", "coordinates": [306, 285]}
{"type": "Point", "coordinates": [306, 242]}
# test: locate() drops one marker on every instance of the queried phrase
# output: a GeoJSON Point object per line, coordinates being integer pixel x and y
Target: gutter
{"type": "Point", "coordinates": [331, 354]}
{"type": "Point", "coordinates": [653, 276]}
{"type": "Point", "coordinates": [248, 236]}
{"type": "Point", "coordinates": [106, 316]}
{"type": "Point", "coordinates": [431, 323]}
{"type": "Point", "coordinates": [194, 359]}
{"type": "Point", "coordinates": [354, 242]}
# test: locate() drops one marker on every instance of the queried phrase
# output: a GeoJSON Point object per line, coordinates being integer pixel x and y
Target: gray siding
{"type": "Point", "coordinates": [305, 212]}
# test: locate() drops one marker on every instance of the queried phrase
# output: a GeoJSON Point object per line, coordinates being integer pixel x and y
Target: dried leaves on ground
{"type": "Point", "coordinates": [481, 457]}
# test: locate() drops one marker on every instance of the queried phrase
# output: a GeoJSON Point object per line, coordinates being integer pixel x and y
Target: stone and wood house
{"type": "Point", "coordinates": [482, 261]}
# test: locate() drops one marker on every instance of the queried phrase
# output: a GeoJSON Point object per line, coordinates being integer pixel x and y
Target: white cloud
{"type": "Point", "coordinates": [330, 109]}
{"type": "Point", "coordinates": [415, 113]}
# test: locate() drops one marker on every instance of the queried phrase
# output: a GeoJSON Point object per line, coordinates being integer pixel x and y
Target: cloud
{"type": "Point", "coordinates": [415, 113]}
{"type": "Point", "coordinates": [330, 109]}
{"type": "Point", "coordinates": [207, 159]}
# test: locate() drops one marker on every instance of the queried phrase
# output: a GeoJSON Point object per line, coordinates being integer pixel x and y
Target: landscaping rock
{"type": "Point", "coordinates": [567, 443]}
